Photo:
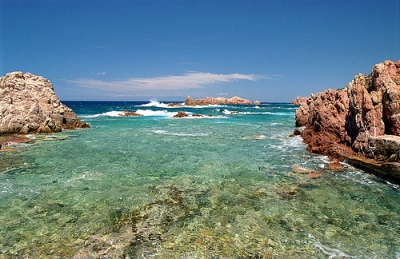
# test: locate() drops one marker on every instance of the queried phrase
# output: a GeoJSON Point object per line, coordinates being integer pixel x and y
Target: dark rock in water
{"type": "Point", "coordinates": [181, 114]}
{"type": "Point", "coordinates": [28, 104]}
{"type": "Point", "coordinates": [296, 132]}
{"type": "Point", "coordinates": [355, 118]}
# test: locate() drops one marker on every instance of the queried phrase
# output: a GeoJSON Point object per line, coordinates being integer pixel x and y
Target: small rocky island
{"type": "Point", "coordinates": [28, 104]}
{"type": "Point", "coordinates": [235, 100]}
{"type": "Point", "coordinates": [359, 123]}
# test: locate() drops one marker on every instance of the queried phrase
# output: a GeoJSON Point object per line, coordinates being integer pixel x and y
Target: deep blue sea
{"type": "Point", "coordinates": [217, 186]}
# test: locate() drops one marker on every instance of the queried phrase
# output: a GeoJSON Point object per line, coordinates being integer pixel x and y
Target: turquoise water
{"type": "Point", "coordinates": [218, 186]}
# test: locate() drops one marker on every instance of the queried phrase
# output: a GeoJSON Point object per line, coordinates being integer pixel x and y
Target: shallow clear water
{"type": "Point", "coordinates": [211, 187]}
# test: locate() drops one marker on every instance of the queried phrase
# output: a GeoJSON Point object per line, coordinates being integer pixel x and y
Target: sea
{"type": "Point", "coordinates": [219, 185]}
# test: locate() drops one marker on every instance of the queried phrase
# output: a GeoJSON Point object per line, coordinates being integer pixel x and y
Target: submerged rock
{"type": "Point", "coordinates": [302, 170]}
{"type": "Point", "coordinates": [28, 104]}
{"type": "Point", "coordinates": [351, 121]}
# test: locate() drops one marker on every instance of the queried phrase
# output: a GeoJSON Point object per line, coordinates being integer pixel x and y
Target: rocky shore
{"type": "Point", "coordinates": [359, 123]}
{"type": "Point", "coordinates": [28, 104]}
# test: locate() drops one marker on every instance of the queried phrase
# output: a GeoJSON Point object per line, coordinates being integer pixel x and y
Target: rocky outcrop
{"type": "Point", "coordinates": [302, 111]}
{"type": "Point", "coordinates": [28, 104]}
{"type": "Point", "coordinates": [345, 122]}
{"type": "Point", "coordinates": [129, 114]}
{"type": "Point", "coordinates": [218, 101]}
{"type": "Point", "coordinates": [299, 100]}
{"type": "Point", "coordinates": [181, 114]}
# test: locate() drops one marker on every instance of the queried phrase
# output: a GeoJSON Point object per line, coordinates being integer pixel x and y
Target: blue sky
{"type": "Point", "coordinates": [266, 50]}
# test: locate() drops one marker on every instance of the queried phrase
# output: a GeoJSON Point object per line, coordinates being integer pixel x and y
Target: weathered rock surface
{"type": "Point", "coordinates": [218, 101]}
{"type": "Point", "coordinates": [353, 121]}
{"type": "Point", "coordinates": [28, 104]}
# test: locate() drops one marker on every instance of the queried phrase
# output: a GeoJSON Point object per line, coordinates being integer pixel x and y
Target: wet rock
{"type": "Point", "coordinates": [296, 132]}
{"type": "Point", "coordinates": [335, 165]}
{"type": "Point", "coordinates": [181, 114]}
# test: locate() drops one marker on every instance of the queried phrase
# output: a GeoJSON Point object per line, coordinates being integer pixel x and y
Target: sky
{"type": "Point", "coordinates": [137, 50]}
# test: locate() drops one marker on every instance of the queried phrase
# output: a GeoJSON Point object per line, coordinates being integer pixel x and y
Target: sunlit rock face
{"type": "Point", "coordinates": [368, 107]}
{"type": "Point", "coordinates": [28, 104]}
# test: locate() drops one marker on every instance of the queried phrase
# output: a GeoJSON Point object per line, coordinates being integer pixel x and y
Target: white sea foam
{"type": "Point", "coordinates": [7, 187]}
{"type": "Point", "coordinates": [181, 134]}
{"type": "Point", "coordinates": [149, 113]}
{"type": "Point", "coordinates": [329, 251]}
{"type": "Point", "coordinates": [395, 187]}
{"type": "Point", "coordinates": [104, 114]}
{"type": "Point", "coordinates": [226, 111]}
{"type": "Point", "coordinates": [160, 113]}
{"type": "Point", "coordinates": [155, 103]}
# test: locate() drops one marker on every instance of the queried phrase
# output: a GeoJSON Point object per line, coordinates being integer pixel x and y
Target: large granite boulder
{"type": "Point", "coordinates": [28, 104]}
{"type": "Point", "coordinates": [368, 107]}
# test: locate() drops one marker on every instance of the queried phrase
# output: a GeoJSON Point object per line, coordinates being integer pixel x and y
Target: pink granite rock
{"type": "Point", "coordinates": [28, 104]}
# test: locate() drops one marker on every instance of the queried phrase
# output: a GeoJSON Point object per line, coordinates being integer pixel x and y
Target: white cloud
{"type": "Point", "coordinates": [189, 80]}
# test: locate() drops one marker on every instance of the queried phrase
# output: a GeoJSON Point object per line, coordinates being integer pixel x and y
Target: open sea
{"type": "Point", "coordinates": [217, 186]}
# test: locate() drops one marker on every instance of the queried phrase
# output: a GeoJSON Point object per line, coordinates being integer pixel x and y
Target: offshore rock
{"type": "Point", "coordinates": [129, 114]}
{"type": "Point", "coordinates": [28, 104]}
{"type": "Point", "coordinates": [218, 101]}
{"type": "Point", "coordinates": [354, 118]}
{"type": "Point", "coordinates": [181, 114]}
